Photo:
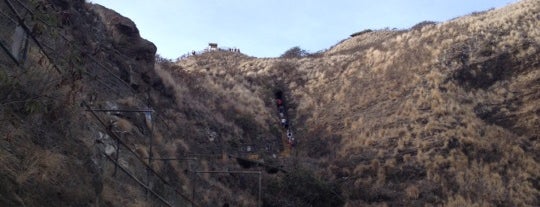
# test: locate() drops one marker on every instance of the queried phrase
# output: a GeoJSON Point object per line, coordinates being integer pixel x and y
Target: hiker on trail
{"type": "Point", "coordinates": [284, 123]}
{"type": "Point", "coordinates": [281, 115]}
{"type": "Point", "coordinates": [279, 102]}
{"type": "Point", "coordinates": [289, 136]}
{"type": "Point", "coordinates": [281, 109]}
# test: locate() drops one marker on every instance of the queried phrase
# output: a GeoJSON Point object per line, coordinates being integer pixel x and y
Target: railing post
{"type": "Point", "coordinates": [117, 155]}
{"type": "Point", "coordinates": [148, 117]}
{"type": "Point", "coordinates": [260, 190]}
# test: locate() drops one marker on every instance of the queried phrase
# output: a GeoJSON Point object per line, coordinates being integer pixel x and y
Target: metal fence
{"type": "Point", "coordinates": [32, 39]}
{"type": "Point", "coordinates": [134, 167]}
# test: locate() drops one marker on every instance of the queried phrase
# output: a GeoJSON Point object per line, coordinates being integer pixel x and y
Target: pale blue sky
{"type": "Point", "coordinates": [267, 28]}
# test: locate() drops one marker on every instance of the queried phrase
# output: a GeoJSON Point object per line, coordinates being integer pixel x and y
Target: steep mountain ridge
{"type": "Point", "coordinates": [433, 110]}
{"type": "Point", "coordinates": [441, 114]}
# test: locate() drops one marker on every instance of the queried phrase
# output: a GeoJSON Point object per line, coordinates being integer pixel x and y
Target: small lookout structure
{"type": "Point", "coordinates": [212, 46]}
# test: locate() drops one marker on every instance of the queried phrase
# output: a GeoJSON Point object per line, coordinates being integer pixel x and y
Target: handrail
{"type": "Point", "coordinates": [21, 22]}
{"type": "Point", "coordinates": [9, 54]}
{"type": "Point", "coordinates": [110, 132]}
{"type": "Point", "coordinates": [41, 46]}
{"type": "Point", "coordinates": [100, 65]}
{"type": "Point", "coordinates": [138, 181]}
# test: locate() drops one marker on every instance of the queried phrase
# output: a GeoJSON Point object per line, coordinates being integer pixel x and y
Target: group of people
{"type": "Point", "coordinates": [284, 121]}
{"type": "Point", "coordinates": [194, 53]}
{"type": "Point", "coordinates": [234, 50]}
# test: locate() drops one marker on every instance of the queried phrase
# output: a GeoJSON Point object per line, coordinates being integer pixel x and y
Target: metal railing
{"type": "Point", "coordinates": [169, 192]}
{"type": "Point", "coordinates": [45, 53]}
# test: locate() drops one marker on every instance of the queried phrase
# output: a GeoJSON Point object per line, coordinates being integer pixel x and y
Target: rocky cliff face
{"type": "Point", "coordinates": [441, 114]}
{"type": "Point", "coordinates": [71, 53]}
{"type": "Point", "coordinates": [126, 39]}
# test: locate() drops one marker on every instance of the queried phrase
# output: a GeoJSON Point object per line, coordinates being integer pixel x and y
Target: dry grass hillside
{"type": "Point", "coordinates": [442, 114]}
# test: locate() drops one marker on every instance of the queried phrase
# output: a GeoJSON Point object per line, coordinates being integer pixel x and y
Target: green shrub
{"type": "Point", "coordinates": [295, 52]}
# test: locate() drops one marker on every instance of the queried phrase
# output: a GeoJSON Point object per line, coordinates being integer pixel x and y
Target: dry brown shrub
{"type": "Point", "coordinates": [412, 192]}
{"type": "Point", "coordinates": [124, 125]}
